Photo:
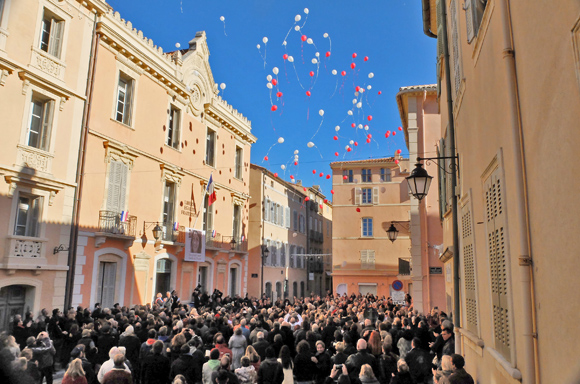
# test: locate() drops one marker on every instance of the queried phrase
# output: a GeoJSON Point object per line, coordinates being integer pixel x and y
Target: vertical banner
{"type": "Point", "coordinates": [194, 245]}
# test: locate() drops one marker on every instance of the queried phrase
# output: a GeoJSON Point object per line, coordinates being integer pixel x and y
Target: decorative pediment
{"type": "Point", "coordinates": [197, 74]}
{"type": "Point", "coordinates": [119, 152]}
{"type": "Point", "coordinates": [171, 173]}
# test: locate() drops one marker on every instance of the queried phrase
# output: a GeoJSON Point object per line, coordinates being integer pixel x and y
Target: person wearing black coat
{"type": "Point", "coordinates": [387, 364]}
{"type": "Point", "coordinates": [132, 346]}
{"type": "Point", "coordinates": [304, 367]}
{"type": "Point", "coordinates": [155, 367]}
{"type": "Point", "coordinates": [402, 376]}
{"type": "Point", "coordinates": [184, 365]}
{"type": "Point", "coordinates": [323, 362]}
{"type": "Point", "coordinates": [105, 342]}
{"type": "Point", "coordinates": [270, 371]}
{"type": "Point", "coordinates": [356, 361]}
{"type": "Point", "coordinates": [419, 363]}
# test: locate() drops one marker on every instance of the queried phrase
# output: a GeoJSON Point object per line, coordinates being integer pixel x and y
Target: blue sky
{"type": "Point", "coordinates": [388, 32]}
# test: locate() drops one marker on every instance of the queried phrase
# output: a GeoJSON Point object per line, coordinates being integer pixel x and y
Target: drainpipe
{"type": "Point", "coordinates": [74, 231]}
{"type": "Point", "coordinates": [530, 370]}
{"type": "Point", "coordinates": [427, 19]}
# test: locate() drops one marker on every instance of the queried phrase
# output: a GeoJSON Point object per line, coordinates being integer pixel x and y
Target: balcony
{"type": "Point", "coordinates": [111, 226]}
{"type": "Point", "coordinates": [24, 253]}
{"type": "Point", "coordinates": [316, 236]}
{"type": "Point", "coordinates": [220, 242]}
{"type": "Point", "coordinates": [171, 235]}
{"type": "Point", "coordinates": [313, 206]}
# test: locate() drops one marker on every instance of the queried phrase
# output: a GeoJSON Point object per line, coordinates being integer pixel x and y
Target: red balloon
{"type": "Point", "coordinates": [326, 200]}
{"type": "Point", "coordinates": [306, 198]}
{"type": "Point", "coordinates": [358, 209]}
{"type": "Point", "coordinates": [345, 177]}
{"type": "Point", "coordinates": [274, 107]}
{"type": "Point", "coordinates": [353, 125]}
{"type": "Point", "coordinates": [349, 149]}
{"type": "Point", "coordinates": [311, 73]}
{"type": "Point", "coordinates": [266, 158]}
{"type": "Point", "coordinates": [357, 88]}
{"type": "Point", "coordinates": [354, 55]}
{"type": "Point", "coordinates": [369, 117]}
{"type": "Point", "coordinates": [387, 134]}
{"type": "Point", "coordinates": [304, 38]}
{"type": "Point", "coordinates": [321, 174]}
{"type": "Point", "coordinates": [332, 191]}
{"type": "Point", "coordinates": [366, 125]}
{"type": "Point", "coordinates": [394, 133]}
{"type": "Point", "coordinates": [292, 176]}
{"type": "Point", "coordinates": [304, 189]}
{"type": "Point", "coordinates": [343, 73]}
{"type": "Point", "coordinates": [320, 206]}
{"type": "Point", "coordinates": [396, 161]}
{"type": "Point", "coordinates": [275, 175]}
{"type": "Point", "coordinates": [308, 93]}
{"type": "Point", "coordinates": [335, 137]}
{"type": "Point", "coordinates": [369, 136]}
{"type": "Point", "coordinates": [352, 65]}
{"type": "Point", "coordinates": [327, 53]}
{"type": "Point", "coordinates": [400, 129]}
{"type": "Point", "coordinates": [327, 177]}
{"type": "Point", "coordinates": [366, 58]}
{"type": "Point", "coordinates": [314, 171]}
{"type": "Point", "coordinates": [356, 143]}
{"type": "Point", "coordinates": [285, 56]}
{"type": "Point", "coordinates": [380, 92]}
{"type": "Point", "coordinates": [295, 163]}
{"type": "Point", "coordinates": [279, 94]}
{"type": "Point", "coordinates": [399, 151]}
{"type": "Point", "coordinates": [274, 81]}
{"type": "Point", "coordinates": [368, 141]}
{"type": "Point", "coordinates": [335, 153]}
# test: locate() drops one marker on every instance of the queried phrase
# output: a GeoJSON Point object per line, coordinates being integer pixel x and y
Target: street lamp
{"type": "Point", "coordinates": [393, 232]}
{"type": "Point", "coordinates": [419, 182]}
{"type": "Point", "coordinates": [233, 243]}
{"type": "Point", "coordinates": [157, 230]}
{"type": "Point", "coordinates": [265, 254]}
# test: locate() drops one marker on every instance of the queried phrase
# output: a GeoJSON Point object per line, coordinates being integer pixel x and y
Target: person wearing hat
{"type": "Point", "coordinates": [118, 374]}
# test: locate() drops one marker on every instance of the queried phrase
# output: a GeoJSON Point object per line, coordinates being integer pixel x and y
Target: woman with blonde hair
{"type": "Point", "coordinates": [75, 373]}
{"type": "Point", "coordinates": [254, 357]}
{"type": "Point", "coordinates": [366, 375]}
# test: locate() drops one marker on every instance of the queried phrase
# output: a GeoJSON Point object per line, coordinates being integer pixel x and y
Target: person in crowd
{"type": "Point", "coordinates": [285, 358]}
{"type": "Point", "coordinates": [355, 362]}
{"type": "Point", "coordinates": [419, 363]}
{"type": "Point", "coordinates": [459, 375]}
{"type": "Point", "coordinates": [304, 366]}
{"type": "Point", "coordinates": [403, 376]}
{"type": "Point", "coordinates": [211, 366]}
{"type": "Point", "coordinates": [78, 352]}
{"type": "Point", "coordinates": [387, 363]}
{"type": "Point", "coordinates": [119, 373]}
{"type": "Point", "coordinates": [237, 345]}
{"type": "Point", "coordinates": [246, 374]}
{"type": "Point", "coordinates": [44, 353]}
{"type": "Point", "coordinates": [110, 364]}
{"type": "Point", "coordinates": [367, 376]}
{"type": "Point", "coordinates": [20, 370]}
{"type": "Point", "coordinates": [339, 357]}
{"type": "Point", "coordinates": [254, 357]}
{"type": "Point", "coordinates": [75, 374]}
{"type": "Point", "coordinates": [322, 361]}
{"type": "Point", "coordinates": [271, 371]}
{"type": "Point", "coordinates": [260, 345]}
{"type": "Point", "coordinates": [155, 367]}
{"type": "Point", "coordinates": [184, 365]}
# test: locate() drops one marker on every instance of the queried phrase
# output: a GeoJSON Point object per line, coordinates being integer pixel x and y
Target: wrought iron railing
{"type": "Point", "coordinates": [171, 234]}
{"type": "Point", "coordinates": [110, 222]}
{"type": "Point", "coordinates": [404, 266]}
{"type": "Point", "coordinates": [240, 245]}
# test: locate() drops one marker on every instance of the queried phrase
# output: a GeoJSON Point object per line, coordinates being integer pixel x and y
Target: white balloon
{"type": "Point", "coordinates": [349, 113]}
{"type": "Point", "coordinates": [275, 70]}
{"type": "Point", "coordinates": [297, 18]}
{"type": "Point", "coordinates": [222, 18]}
{"type": "Point", "coordinates": [317, 54]}
{"type": "Point", "coordinates": [310, 144]}
{"type": "Point", "coordinates": [284, 42]}
{"type": "Point", "coordinates": [314, 61]}
{"type": "Point", "coordinates": [347, 147]}
{"type": "Point", "coordinates": [360, 126]}
{"type": "Point", "coordinates": [265, 40]}
{"type": "Point", "coordinates": [269, 85]}
{"type": "Point", "coordinates": [290, 59]}
{"type": "Point", "coordinates": [337, 128]}
{"type": "Point", "coordinates": [258, 46]}
{"type": "Point", "coordinates": [366, 127]}
{"type": "Point", "coordinates": [280, 140]}
{"type": "Point", "coordinates": [306, 10]}
{"type": "Point", "coordinates": [354, 101]}
{"type": "Point", "coordinates": [362, 90]}
{"type": "Point", "coordinates": [283, 167]}
{"type": "Point", "coordinates": [369, 87]}
{"type": "Point", "coordinates": [325, 35]}
{"type": "Point", "coordinates": [359, 104]}
{"type": "Point", "coordinates": [296, 158]}
{"type": "Point", "coordinates": [356, 94]}
{"type": "Point", "coordinates": [223, 86]}
{"type": "Point", "coordinates": [371, 75]}
{"type": "Point", "coordinates": [321, 112]}
{"type": "Point", "coordinates": [334, 72]}
{"type": "Point", "coordinates": [296, 152]}
{"type": "Point", "coordinates": [351, 142]}
{"type": "Point", "coordinates": [297, 28]}
{"type": "Point", "coordinates": [309, 41]}
{"type": "Point", "coordinates": [177, 45]}
{"type": "Point", "coordinates": [269, 77]}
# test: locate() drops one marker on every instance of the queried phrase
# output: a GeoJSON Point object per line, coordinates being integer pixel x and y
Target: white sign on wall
{"type": "Point", "coordinates": [194, 245]}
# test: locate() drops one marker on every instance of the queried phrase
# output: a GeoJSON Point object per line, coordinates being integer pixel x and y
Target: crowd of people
{"type": "Point", "coordinates": [313, 340]}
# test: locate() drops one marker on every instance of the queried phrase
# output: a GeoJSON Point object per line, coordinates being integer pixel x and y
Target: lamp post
{"type": "Point", "coordinates": [157, 230]}
{"type": "Point", "coordinates": [393, 232]}
{"type": "Point", "coordinates": [265, 254]}
{"type": "Point", "coordinates": [233, 244]}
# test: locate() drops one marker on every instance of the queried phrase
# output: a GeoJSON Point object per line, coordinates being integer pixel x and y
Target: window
{"type": "Point", "coordinates": [287, 224]}
{"type": "Point", "coordinates": [239, 161]}
{"type": "Point", "coordinates": [1, 9]}
{"type": "Point", "coordinates": [295, 220]}
{"type": "Point", "coordinates": [51, 34]}
{"type": "Point", "coordinates": [281, 216]}
{"type": "Point", "coordinates": [274, 215]}
{"type": "Point", "coordinates": [163, 276]}
{"type": "Point", "coordinates": [210, 148]}
{"type": "Point", "coordinates": [173, 127]}
{"type": "Point", "coordinates": [274, 253]}
{"type": "Point", "coordinates": [367, 227]}
{"type": "Point", "coordinates": [125, 89]}
{"type": "Point", "coordinates": [385, 174]}
{"type": "Point", "coordinates": [367, 195]}
{"type": "Point", "coordinates": [283, 254]}
{"type": "Point", "coordinates": [291, 256]}
{"type": "Point", "coordinates": [41, 115]}
{"type": "Point", "coordinates": [236, 224]}
{"type": "Point", "coordinates": [28, 216]}
{"type": "Point", "coordinates": [266, 209]}
{"type": "Point", "coordinates": [117, 187]}
{"type": "Point", "coordinates": [367, 259]}
{"type": "Point", "coordinates": [302, 224]}
{"type": "Point", "coordinates": [366, 176]}
{"type": "Point", "coordinates": [168, 209]}
{"type": "Point", "coordinates": [348, 174]}
{"type": "Point", "coordinates": [474, 10]}
{"type": "Point", "coordinates": [207, 216]}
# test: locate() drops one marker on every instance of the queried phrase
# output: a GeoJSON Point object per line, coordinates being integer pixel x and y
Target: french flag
{"type": "Point", "coordinates": [210, 192]}
{"type": "Point", "coordinates": [175, 226]}
{"type": "Point", "coordinates": [213, 233]}
{"type": "Point", "coordinates": [124, 216]}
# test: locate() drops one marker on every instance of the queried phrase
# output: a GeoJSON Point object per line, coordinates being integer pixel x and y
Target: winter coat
{"type": "Point", "coordinates": [208, 368]}
{"type": "Point", "coordinates": [270, 372]}
{"type": "Point", "coordinates": [155, 369]}
{"type": "Point", "coordinates": [246, 375]}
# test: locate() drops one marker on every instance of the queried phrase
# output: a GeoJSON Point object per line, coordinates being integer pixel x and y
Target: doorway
{"type": "Point", "coordinates": [107, 280]}
{"type": "Point", "coordinates": [163, 276]}
{"type": "Point", "coordinates": [12, 302]}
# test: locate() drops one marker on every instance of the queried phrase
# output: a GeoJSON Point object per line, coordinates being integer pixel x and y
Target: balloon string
{"type": "Point", "coordinates": [302, 51]}
{"type": "Point", "coordinates": [265, 53]}
{"type": "Point", "coordinates": [319, 152]}
{"type": "Point", "coordinates": [290, 30]}
{"type": "Point", "coordinates": [305, 20]}
{"type": "Point", "coordinates": [335, 88]}
{"type": "Point", "coordinates": [315, 133]}
{"type": "Point", "coordinates": [297, 78]}
{"type": "Point", "coordinates": [224, 28]}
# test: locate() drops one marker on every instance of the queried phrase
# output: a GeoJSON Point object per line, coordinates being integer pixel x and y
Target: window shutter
{"type": "Point", "coordinates": [470, 19]}
{"type": "Point", "coordinates": [266, 209]}
{"type": "Point", "coordinates": [288, 217]}
{"type": "Point", "coordinates": [455, 41]}
{"type": "Point", "coordinates": [371, 259]}
{"type": "Point", "coordinates": [48, 113]}
{"type": "Point", "coordinates": [470, 285]}
{"type": "Point", "coordinates": [32, 226]}
{"type": "Point", "coordinates": [498, 255]}
{"type": "Point", "coordinates": [363, 259]}
{"type": "Point", "coordinates": [56, 30]}
{"type": "Point", "coordinates": [123, 175]}
{"type": "Point", "coordinates": [375, 195]}
{"type": "Point", "coordinates": [295, 214]}
{"type": "Point", "coordinates": [357, 196]}
{"type": "Point", "coordinates": [281, 216]}
{"type": "Point", "coordinates": [114, 187]}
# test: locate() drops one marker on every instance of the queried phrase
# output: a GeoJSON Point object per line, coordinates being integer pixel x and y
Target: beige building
{"type": "Point", "coordinates": [158, 132]}
{"type": "Point", "coordinates": [421, 121]}
{"type": "Point", "coordinates": [45, 50]}
{"type": "Point", "coordinates": [515, 77]}
{"type": "Point", "coordinates": [288, 220]}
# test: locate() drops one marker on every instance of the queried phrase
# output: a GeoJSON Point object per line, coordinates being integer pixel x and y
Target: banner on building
{"type": "Point", "coordinates": [194, 245]}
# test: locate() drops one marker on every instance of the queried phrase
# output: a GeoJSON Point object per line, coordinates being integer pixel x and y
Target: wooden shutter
{"type": "Point", "coordinates": [498, 259]}
{"type": "Point", "coordinates": [375, 195]}
{"type": "Point", "coordinates": [363, 258]}
{"type": "Point", "coordinates": [357, 196]}
{"type": "Point", "coordinates": [295, 220]}
{"type": "Point", "coordinates": [55, 40]}
{"type": "Point", "coordinates": [47, 116]}
{"type": "Point", "coordinates": [106, 284]}
{"type": "Point", "coordinates": [370, 259]}
{"type": "Point", "coordinates": [281, 216]}
{"type": "Point", "coordinates": [288, 217]}
{"type": "Point", "coordinates": [114, 187]}
{"type": "Point", "coordinates": [470, 19]}
{"type": "Point", "coordinates": [457, 75]}
{"type": "Point", "coordinates": [469, 270]}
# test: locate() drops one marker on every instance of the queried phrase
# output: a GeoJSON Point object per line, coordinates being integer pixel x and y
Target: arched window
{"type": "Point", "coordinates": [278, 290]}
{"type": "Point", "coordinates": [268, 290]}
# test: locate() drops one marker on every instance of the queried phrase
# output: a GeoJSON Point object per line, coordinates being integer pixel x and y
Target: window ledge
{"type": "Point", "coordinates": [504, 365]}
{"type": "Point", "coordinates": [173, 148]}
{"type": "Point", "coordinates": [122, 124]}
{"type": "Point", "coordinates": [473, 341]}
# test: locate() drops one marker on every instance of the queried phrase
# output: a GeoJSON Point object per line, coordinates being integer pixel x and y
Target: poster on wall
{"type": "Point", "coordinates": [194, 245]}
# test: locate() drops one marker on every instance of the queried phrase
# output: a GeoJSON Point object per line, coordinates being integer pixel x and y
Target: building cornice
{"type": "Point", "coordinates": [230, 118]}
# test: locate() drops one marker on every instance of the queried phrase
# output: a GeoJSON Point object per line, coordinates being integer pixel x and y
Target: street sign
{"type": "Point", "coordinates": [397, 285]}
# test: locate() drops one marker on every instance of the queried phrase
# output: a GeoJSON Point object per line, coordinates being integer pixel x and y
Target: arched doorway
{"type": "Point", "coordinates": [12, 302]}
{"type": "Point", "coordinates": [163, 276]}
{"type": "Point", "coordinates": [278, 290]}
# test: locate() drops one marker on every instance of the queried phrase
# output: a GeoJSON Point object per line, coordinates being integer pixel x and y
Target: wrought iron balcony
{"type": "Point", "coordinates": [175, 236]}
{"type": "Point", "coordinates": [404, 266]}
{"type": "Point", "coordinates": [110, 223]}
{"type": "Point", "coordinates": [239, 246]}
